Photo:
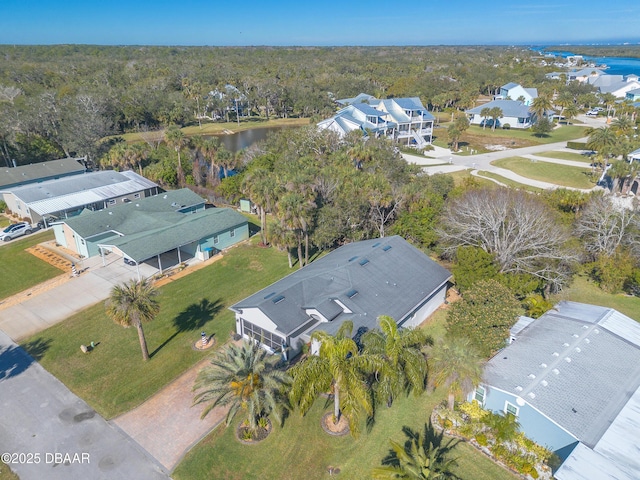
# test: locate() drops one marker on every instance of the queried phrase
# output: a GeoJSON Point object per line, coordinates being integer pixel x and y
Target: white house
{"type": "Point", "coordinates": [514, 91]}
{"type": "Point", "coordinates": [572, 379]}
{"type": "Point", "coordinates": [359, 282]}
{"type": "Point", "coordinates": [404, 120]}
{"type": "Point", "coordinates": [514, 113]}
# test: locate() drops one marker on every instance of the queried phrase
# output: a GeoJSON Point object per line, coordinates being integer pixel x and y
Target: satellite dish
{"type": "Point", "coordinates": [520, 401]}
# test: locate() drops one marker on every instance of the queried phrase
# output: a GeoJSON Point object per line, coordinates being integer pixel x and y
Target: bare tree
{"type": "Point", "coordinates": [517, 228]}
{"type": "Point", "coordinates": [605, 225]}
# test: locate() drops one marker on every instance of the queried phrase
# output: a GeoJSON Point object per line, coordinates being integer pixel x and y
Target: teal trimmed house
{"type": "Point", "coordinates": [176, 221]}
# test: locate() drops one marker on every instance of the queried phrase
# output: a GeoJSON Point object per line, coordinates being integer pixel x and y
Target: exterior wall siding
{"type": "Point", "coordinates": [429, 306]}
{"type": "Point", "coordinates": [224, 239]}
{"type": "Point", "coordinates": [533, 423]}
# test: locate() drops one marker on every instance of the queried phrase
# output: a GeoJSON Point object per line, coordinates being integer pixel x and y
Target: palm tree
{"type": "Point", "coordinates": [177, 140]}
{"type": "Point", "coordinates": [132, 304]}
{"type": "Point", "coordinates": [495, 113]}
{"type": "Point", "coordinates": [243, 378]}
{"type": "Point", "coordinates": [339, 367]}
{"type": "Point", "coordinates": [422, 457]}
{"type": "Point", "coordinates": [402, 349]}
{"type": "Point", "coordinates": [570, 112]}
{"type": "Point", "coordinates": [261, 188]}
{"type": "Point", "coordinates": [623, 126]}
{"type": "Point", "coordinates": [209, 150]}
{"type": "Point", "coordinates": [485, 113]}
{"type": "Point", "coordinates": [540, 106]}
{"type": "Point", "coordinates": [602, 140]}
{"type": "Point", "coordinates": [457, 365]}
{"type": "Point", "coordinates": [282, 238]}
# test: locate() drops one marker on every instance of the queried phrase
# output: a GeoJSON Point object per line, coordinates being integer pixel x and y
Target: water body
{"type": "Point", "coordinates": [245, 138]}
{"type": "Point", "coordinates": [617, 65]}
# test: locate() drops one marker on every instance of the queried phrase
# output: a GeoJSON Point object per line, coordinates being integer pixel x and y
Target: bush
{"type": "Point", "coordinates": [481, 438]}
{"type": "Point", "coordinates": [632, 284]}
{"type": "Point", "coordinates": [3, 206]}
{"type": "Point", "coordinates": [506, 126]}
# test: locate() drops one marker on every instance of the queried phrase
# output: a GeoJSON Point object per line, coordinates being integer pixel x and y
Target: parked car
{"type": "Point", "coordinates": [15, 230]}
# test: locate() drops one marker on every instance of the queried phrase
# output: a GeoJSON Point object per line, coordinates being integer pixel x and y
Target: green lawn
{"type": "Point", "coordinates": [113, 378]}
{"type": "Point", "coordinates": [569, 132]}
{"type": "Point", "coordinates": [19, 270]}
{"type": "Point", "coordinates": [562, 175]}
{"type": "Point", "coordinates": [4, 221]}
{"type": "Point", "coordinates": [508, 181]}
{"type": "Point", "coordinates": [305, 450]}
{"type": "Point", "coordinates": [585, 291]}
{"type": "Point", "coordinates": [576, 157]}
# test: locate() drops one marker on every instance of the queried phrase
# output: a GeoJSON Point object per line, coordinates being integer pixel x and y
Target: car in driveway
{"type": "Point", "coordinates": [15, 230]}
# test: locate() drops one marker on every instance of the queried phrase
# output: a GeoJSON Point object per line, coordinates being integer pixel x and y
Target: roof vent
{"type": "Point", "coordinates": [596, 330]}
{"type": "Point", "coordinates": [544, 383]}
{"type": "Point", "coordinates": [565, 344]}
{"type": "Point", "coordinates": [531, 395]}
{"type": "Point", "coordinates": [164, 196]}
{"type": "Point", "coordinates": [519, 388]}
{"type": "Point", "coordinates": [110, 213]}
{"type": "Point", "coordinates": [578, 349]}
{"type": "Point", "coordinates": [556, 354]}
{"type": "Point", "coordinates": [556, 371]}
{"type": "Point", "coordinates": [586, 340]}
{"type": "Point", "coordinates": [585, 326]}
{"type": "Point", "coordinates": [532, 376]}
{"type": "Point", "coordinates": [543, 365]}
{"type": "Point", "coordinates": [575, 335]}
{"type": "Point", "coordinates": [567, 359]}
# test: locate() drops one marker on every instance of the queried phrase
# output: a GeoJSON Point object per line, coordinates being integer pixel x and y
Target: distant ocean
{"type": "Point", "coordinates": [617, 65]}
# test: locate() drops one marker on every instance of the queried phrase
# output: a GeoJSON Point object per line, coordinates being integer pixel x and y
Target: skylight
{"type": "Point", "coordinates": [353, 258]}
{"type": "Point", "coordinates": [278, 299]}
{"type": "Point", "coordinates": [364, 261]}
{"type": "Point", "coordinates": [351, 293]}
{"type": "Point", "coordinates": [270, 295]}
{"type": "Point", "coordinates": [386, 248]}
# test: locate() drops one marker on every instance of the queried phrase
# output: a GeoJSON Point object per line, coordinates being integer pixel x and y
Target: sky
{"type": "Point", "coordinates": [321, 23]}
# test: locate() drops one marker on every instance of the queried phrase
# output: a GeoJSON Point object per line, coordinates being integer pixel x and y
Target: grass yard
{"type": "Point", "coordinates": [19, 270]}
{"type": "Point", "coordinates": [585, 291]}
{"type": "Point", "coordinates": [4, 221]}
{"type": "Point", "coordinates": [463, 176]}
{"type": "Point", "coordinates": [576, 157]}
{"type": "Point", "coordinates": [305, 450]}
{"type": "Point", "coordinates": [113, 378]}
{"type": "Point", "coordinates": [562, 175]}
{"type": "Point", "coordinates": [508, 181]}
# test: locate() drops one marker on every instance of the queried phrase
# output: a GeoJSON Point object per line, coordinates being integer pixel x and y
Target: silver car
{"type": "Point", "coordinates": [15, 230]}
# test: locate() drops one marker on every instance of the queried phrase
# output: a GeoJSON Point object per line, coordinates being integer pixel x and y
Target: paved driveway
{"type": "Point", "coordinates": [166, 425]}
{"type": "Point", "coordinates": [63, 438]}
{"type": "Point", "coordinates": [47, 308]}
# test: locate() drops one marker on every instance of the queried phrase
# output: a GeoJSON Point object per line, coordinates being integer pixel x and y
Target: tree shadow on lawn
{"type": "Point", "coordinates": [192, 318]}
{"type": "Point", "coordinates": [14, 359]}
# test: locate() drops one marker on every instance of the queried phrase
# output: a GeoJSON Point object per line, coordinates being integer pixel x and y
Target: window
{"type": "Point", "coordinates": [215, 239]}
{"type": "Point", "coordinates": [479, 395]}
{"type": "Point", "coordinates": [511, 408]}
{"type": "Point", "coordinates": [274, 342]}
{"type": "Point", "coordinates": [111, 202]}
{"type": "Point", "coordinates": [136, 195]}
{"type": "Point", "coordinates": [232, 233]}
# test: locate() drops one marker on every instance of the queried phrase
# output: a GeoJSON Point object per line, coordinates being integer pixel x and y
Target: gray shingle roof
{"type": "Point", "coordinates": [385, 276]}
{"type": "Point", "coordinates": [510, 108]}
{"type": "Point", "coordinates": [578, 364]}
{"type": "Point", "coordinates": [39, 171]}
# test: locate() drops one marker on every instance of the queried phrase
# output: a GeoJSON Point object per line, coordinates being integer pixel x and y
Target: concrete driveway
{"type": "Point", "coordinates": [46, 432]}
{"type": "Point", "coordinates": [36, 313]}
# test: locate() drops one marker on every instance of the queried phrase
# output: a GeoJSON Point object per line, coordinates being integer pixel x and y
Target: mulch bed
{"type": "Point", "coordinates": [258, 434]}
{"type": "Point", "coordinates": [336, 429]}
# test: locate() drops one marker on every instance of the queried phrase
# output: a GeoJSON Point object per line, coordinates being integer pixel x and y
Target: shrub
{"type": "Point", "coordinates": [506, 126]}
{"type": "Point", "coordinates": [481, 438]}
{"type": "Point", "coordinates": [3, 206]}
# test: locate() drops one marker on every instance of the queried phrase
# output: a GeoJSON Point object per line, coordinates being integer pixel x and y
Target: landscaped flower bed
{"type": "Point", "coordinates": [496, 435]}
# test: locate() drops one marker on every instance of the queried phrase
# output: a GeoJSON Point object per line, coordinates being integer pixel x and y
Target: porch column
{"type": "Point", "coordinates": [138, 270]}
{"type": "Point", "coordinates": [179, 257]}
{"type": "Point", "coordinates": [104, 263]}
{"type": "Point", "coordinates": [159, 264]}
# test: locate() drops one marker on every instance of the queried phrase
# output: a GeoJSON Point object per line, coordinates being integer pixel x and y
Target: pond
{"type": "Point", "coordinates": [245, 138]}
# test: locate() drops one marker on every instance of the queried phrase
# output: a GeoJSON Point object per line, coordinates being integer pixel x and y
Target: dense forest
{"type": "Point", "coordinates": [61, 100]}
{"type": "Point", "coordinates": [624, 51]}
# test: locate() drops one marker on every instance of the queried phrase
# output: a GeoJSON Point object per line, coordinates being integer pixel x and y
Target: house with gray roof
{"type": "Point", "coordinates": [572, 379]}
{"type": "Point", "coordinates": [150, 227]}
{"type": "Point", "coordinates": [514, 113]}
{"type": "Point", "coordinates": [68, 196]}
{"type": "Point", "coordinates": [40, 172]}
{"type": "Point", "coordinates": [359, 282]}
{"type": "Point", "coordinates": [404, 120]}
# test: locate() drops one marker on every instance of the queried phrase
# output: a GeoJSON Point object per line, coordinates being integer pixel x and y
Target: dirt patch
{"type": "Point", "coordinates": [51, 257]}
{"type": "Point", "coordinates": [332, 428]}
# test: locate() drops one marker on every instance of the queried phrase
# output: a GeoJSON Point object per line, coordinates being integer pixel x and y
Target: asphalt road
{"type": "Point", "coordinates": [46, 432]}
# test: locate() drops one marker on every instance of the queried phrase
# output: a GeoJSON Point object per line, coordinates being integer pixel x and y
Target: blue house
{"type": "Point", "coordinates": [572, 379]}
{"type": "Point", "coordinates": [514, 113]}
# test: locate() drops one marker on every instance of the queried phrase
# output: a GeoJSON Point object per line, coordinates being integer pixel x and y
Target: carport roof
{"type": "Point", "coordinates": [184, 229]}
